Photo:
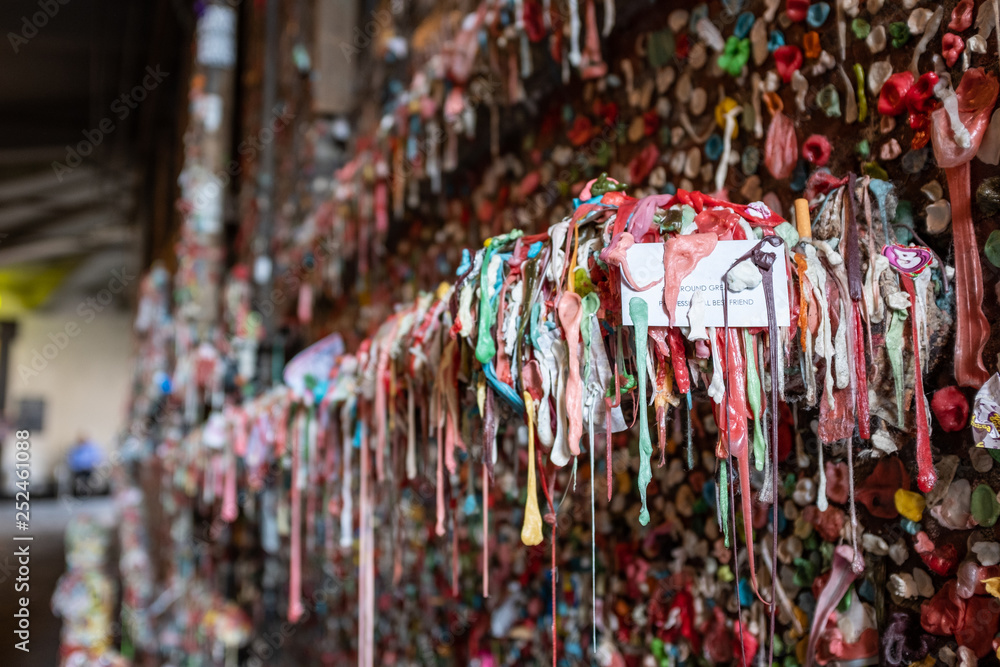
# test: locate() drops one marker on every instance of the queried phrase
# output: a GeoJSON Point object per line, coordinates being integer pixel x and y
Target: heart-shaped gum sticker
{"type": "Point", "coordinates": [910, 260]}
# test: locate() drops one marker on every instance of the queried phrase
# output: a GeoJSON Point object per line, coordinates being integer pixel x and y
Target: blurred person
{"type": "Point", "coordinates": [82, 459]}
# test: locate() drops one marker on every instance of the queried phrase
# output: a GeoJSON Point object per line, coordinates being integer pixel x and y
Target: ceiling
{"type": "Point", "coordinates": [61, 91]}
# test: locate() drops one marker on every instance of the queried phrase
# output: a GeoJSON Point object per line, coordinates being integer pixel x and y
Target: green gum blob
{"type": "Point", "coordinates": [671, 221]}
{"type": "Point", "coordinates": [687, 219]}
{"type": "Point", "coordinates": [861, 28]}
{"type": "Point", "coordinates": [735, 55]}
{"type": "Point", "coordinates": [985, 509]}
{"type": "Point", "coordinates": [845, 602]}
{"type": "Point", "coordinates": [805, 572]}
{"type": "Point", "coordinates": [582, 284]}
{"type": "Point", "coordinates": [789, 484]}
{"type": "Point", "coordinates": [661, 47]}
{"type": "Point", "coordinates": [904, 213]}
{"type": "Point", "coordinates": [656, 648]}
{"type": "Point", "coordinates": [788, 234]}
{"type": "Point", "coordinates": [875, 170]}
{"type": "Point", "coordinates": [603, 185]}
{"type": "Point", "coordinates": [899, 34]}
{"type": "Point", "coordinates": [829, 100]}
{"type": "Point", "coordinates": [992, 248]}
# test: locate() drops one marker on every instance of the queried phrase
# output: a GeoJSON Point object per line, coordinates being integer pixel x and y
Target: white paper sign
{"type": "Point", "coordinates": [746, 309]}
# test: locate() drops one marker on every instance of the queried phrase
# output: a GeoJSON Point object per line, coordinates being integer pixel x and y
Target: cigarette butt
{"type": "Point", "coordinates": [802, 221]}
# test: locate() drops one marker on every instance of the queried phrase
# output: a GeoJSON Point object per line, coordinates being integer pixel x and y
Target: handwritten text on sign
{"type": "Point", "coordinates": [746, 309]}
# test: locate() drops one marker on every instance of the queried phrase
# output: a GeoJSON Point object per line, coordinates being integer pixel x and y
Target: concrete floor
{"type": "Point", "coordinates": [49, 518]}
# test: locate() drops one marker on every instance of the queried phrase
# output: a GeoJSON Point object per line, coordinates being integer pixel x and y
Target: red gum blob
{"type": "Point", "coordinates": [781, 149]}
{"type": "Point", "coordinates": [788, 59]}
{"type": "Point", "coordinates": [837, 486]}
{"type": "Point", "coordinates": [828, 524]}
{"type": "Point", "coordinates": [750, 643]}
{"type": "Point", "coordinates": [608, 111]}
{"type": "Point", "coordinates": [951, 409]}
{"type": "Point", "coordinates": [920, 97]}
{"type": "Point", "coordinates": [833, 646]}
{"type": "Point", "coordinates": [892, 98]}
{"type": "Point", "coordinates": [643, 163]}
{"type": "Point", "coordinates": [822, 182]}
{"type": "Point", "coordinates": [582, 131]}
{"type": "Point", "coordinates": [718, 641]}
{"type": "Point", "coordinates": [719, 221]}
{"type": "Point", "coordinates": [816, 150]}
{"type": "Point", "coordinates": [942, 614]}
{"type": "Point", "coordinates": [961, 16]}
{"type": "Point", "coordinates": [797, 10]}
{"type": "Point", "coordinates": [971, 622]}
{"type": "Point", "coordinates": [678, 359]}
{"type": "Point", "coordinates": [951, 48]}
{"type": "Point", "coordinates": [529, 184]}
{"type": "Point", "coordinates": [683, 46]}
{"type": "Point", "coordinates": [919, 121]}
{"type": "Point", "coordinates": [943, 560]}
{"type": "Point", "coordinates": [651, 122]}
{"type": "Point", "coordinates": [878, 490]}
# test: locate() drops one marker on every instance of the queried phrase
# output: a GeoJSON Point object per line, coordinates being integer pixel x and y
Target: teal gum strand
{"type": "Point", "coordinates": [753, 397]}
{"type": "Point", "coordinates": [690, 435]}
{"type": "Point", "coordinates": [535, 332]}
{"type": "Point", "coordinates": [640, 320]}
{"type": "Point", "coordinates": [485, 347]}
{"type": "Point", "coordinates": [881, 190]}
{"type": "Point", "coordinates": [894, 348]}
{"type": "Point", "coordinates": [591, 304]}
{"type": "Point", "coordinates": [723, 499]}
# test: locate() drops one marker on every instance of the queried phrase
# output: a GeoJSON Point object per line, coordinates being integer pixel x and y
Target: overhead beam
{"type": "Point", "coordinates": [31, 155]}
{"type": "Point", "coordinates": [55, 248]}
{"type": "Point", "coordinates": [41, 181]}
{"type": "Point", "coordinates": [64, 199]}
{"type": "Point", "coordinates": [82, 221]}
